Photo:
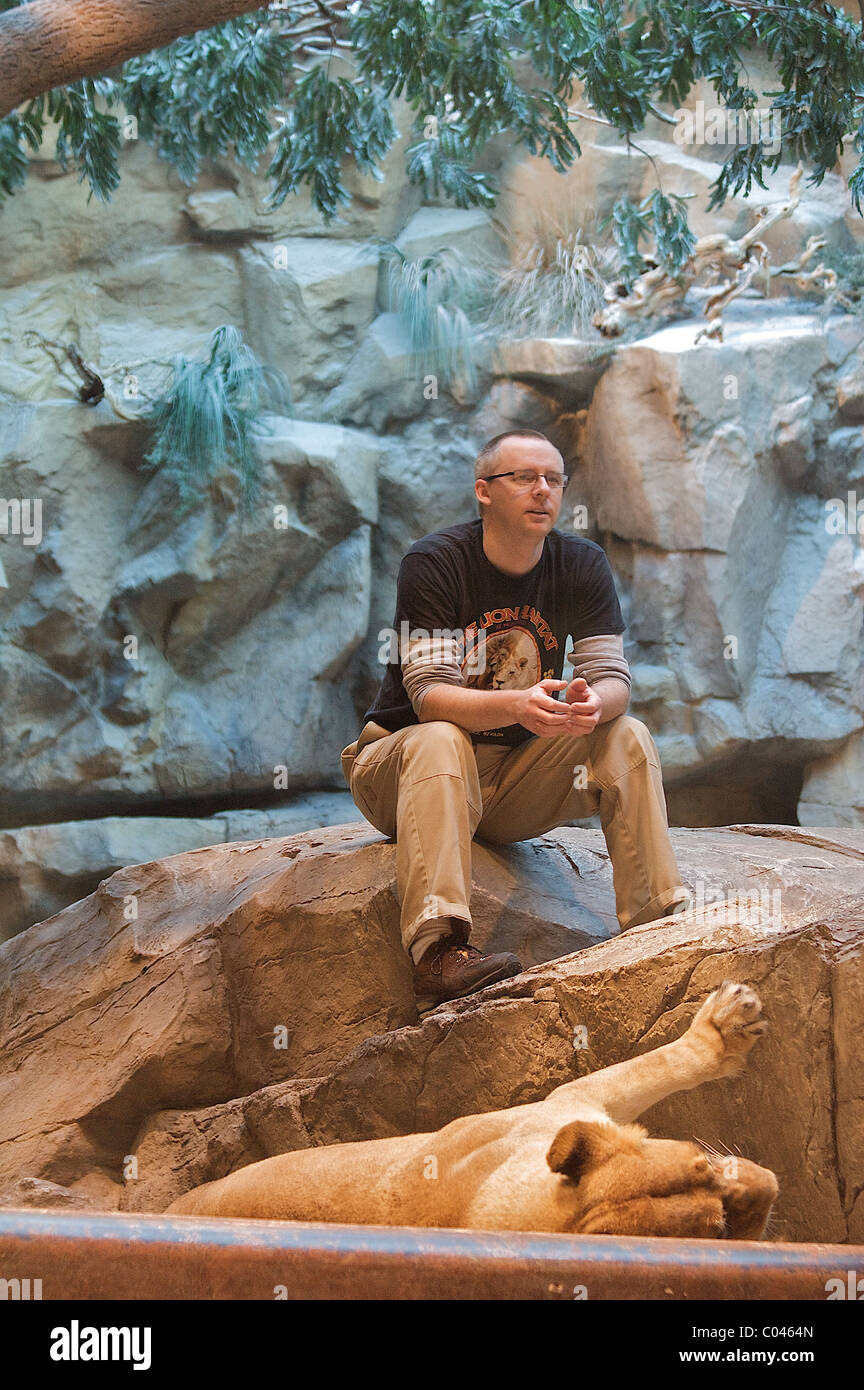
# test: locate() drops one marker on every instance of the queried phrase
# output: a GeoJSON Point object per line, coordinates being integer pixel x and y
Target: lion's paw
{"type": "Point", "coordinates": [729, 1023]}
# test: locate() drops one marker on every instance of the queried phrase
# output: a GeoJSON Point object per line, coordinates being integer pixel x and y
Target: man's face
{"type": "Point", "coordinates": [504, 502]}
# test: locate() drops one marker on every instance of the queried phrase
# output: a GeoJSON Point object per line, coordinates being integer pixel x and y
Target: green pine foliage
{"type": "Point", "coordinates": [471, 70]}
{"type": "Point", "coordinates": [659, 218]}
{"type": "Point", "coordinates": [210, 92]}
{"type": "Point", "coordinates": [203, 423]}
{"type": "Point", "coordinates": [440, 165]}
{"type": "Point", "coordinates": [88, 136]}
{"type": "Point", "coordinates": [340, 118]}
{"type": "Point", "coordinates": [14, 133]}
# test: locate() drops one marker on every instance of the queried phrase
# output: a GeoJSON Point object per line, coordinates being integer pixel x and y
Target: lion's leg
{"type": "Point", "coordinates": [715, 1045]}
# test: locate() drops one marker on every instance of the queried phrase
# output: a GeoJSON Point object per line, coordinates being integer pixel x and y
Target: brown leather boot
{"type": "Point", "coordinates": [681, 905]}
{"type": "Point", "coordinates": [450, 971]}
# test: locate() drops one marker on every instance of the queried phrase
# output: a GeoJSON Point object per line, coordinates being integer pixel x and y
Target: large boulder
{"type": "Point", "coordinates": [215, 595]}
{"type": "Point", "coordinates": [212, 1008]}
{"type": "Point", "coordinates": [44, 868]}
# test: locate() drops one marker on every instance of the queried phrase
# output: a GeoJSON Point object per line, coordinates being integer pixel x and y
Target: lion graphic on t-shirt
{"type": "Point", "coordinates": [511, 662]}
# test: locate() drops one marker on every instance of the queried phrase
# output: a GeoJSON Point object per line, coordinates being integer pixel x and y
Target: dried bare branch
{"type": "Point", "coordinates": [718, 259]}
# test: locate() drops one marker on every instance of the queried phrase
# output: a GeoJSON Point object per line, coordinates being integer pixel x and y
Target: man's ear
{"type": "Point", "coordinates": [585, 1143]}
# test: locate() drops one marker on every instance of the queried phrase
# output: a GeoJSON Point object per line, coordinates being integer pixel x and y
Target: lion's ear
{"type": "Point", "coordinates": [568, 1152]}
{"type": "Point", "coordinates": [582, 1143]}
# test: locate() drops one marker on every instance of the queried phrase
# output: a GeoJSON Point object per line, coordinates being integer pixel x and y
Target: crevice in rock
{"type": "Point", "coordinates": [51, 808]}
{"type": "Point", "coordinates": [751, 785]}
{"type": "Point", "coordinates": [800, 836]}
{"type": "Point", "coordinates": [847, 1199]}
{"type": "Point", "coordinates": [427, 1057]}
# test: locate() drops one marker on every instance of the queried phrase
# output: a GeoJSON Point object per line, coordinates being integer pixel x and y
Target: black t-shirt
{"type": "Point", "coordinates": [515, 626]}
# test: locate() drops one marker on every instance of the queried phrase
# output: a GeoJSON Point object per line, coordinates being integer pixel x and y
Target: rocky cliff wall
{"type": "Point", "coordinates": [703, 469]}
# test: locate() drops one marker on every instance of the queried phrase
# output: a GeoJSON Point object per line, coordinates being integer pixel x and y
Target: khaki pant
{"type": "Point", "coordinates": [429, 787]}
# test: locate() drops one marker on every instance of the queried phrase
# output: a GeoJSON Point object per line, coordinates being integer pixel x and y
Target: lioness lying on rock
{"type": "Point", "coordinates": [573, 1162]}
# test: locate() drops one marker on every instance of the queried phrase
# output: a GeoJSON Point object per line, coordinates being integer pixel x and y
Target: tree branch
{"type": "Point", "coordinates": [45, 44]}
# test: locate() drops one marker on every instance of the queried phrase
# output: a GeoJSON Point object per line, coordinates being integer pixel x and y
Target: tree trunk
{"type": "Point", "coordinates": [51, 42]}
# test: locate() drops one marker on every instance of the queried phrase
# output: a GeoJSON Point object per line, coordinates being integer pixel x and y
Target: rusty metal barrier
{"type": "Point", "coordinates": [79, 1255]}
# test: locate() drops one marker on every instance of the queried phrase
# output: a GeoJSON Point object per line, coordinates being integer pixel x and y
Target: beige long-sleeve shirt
{"type": "Point", "coordinates": [428, 661]}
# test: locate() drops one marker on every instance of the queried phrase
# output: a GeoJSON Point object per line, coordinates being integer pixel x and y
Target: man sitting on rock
{"type": "Point", "coordinates": [467, 734]}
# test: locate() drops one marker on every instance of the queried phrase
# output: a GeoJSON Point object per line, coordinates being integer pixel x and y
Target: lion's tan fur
{"type": "Point", "coordinates": [573, 1162]}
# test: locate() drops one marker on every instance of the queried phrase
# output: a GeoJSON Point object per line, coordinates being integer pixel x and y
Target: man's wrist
{"type": "Point", "coordinates": [614, 696]}
{"type": "Point", "coordinates": [511, 706]}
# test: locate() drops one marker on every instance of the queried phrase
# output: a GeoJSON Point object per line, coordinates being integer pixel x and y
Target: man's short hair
{"type": "Point", "coordinates": [487, 454]}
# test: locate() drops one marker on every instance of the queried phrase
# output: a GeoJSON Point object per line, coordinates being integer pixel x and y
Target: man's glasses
{"type": "Point", "coordinates": [524, 481]}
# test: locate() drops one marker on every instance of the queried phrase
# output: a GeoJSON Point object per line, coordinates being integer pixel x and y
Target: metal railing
{"type": "Point", "coordinates": [82, 1255]}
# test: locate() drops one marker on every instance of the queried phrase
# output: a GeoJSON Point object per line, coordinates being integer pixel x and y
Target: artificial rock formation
{"type": "Point", "coordinates": [44, 868]}
{"type": "Point", "coordinates": [221, 1005]}
{"type": "Point", "coordinates": [154, 664]}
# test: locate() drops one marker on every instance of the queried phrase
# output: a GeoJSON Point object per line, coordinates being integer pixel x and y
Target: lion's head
{"type": "Point", "coordinates": [508, 671]}
{"type": "Point", "coordinates": [508, 663]}
{"type": "Point", "coordinates": [621, 1182]}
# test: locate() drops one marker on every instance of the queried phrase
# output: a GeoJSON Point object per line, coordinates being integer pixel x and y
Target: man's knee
{"type": "Point", "coordinates": [630, 734]}
{"type": "Point", "coordinates": [442, 736]}
{"type": "Point", "coordinates": [629, 721]}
